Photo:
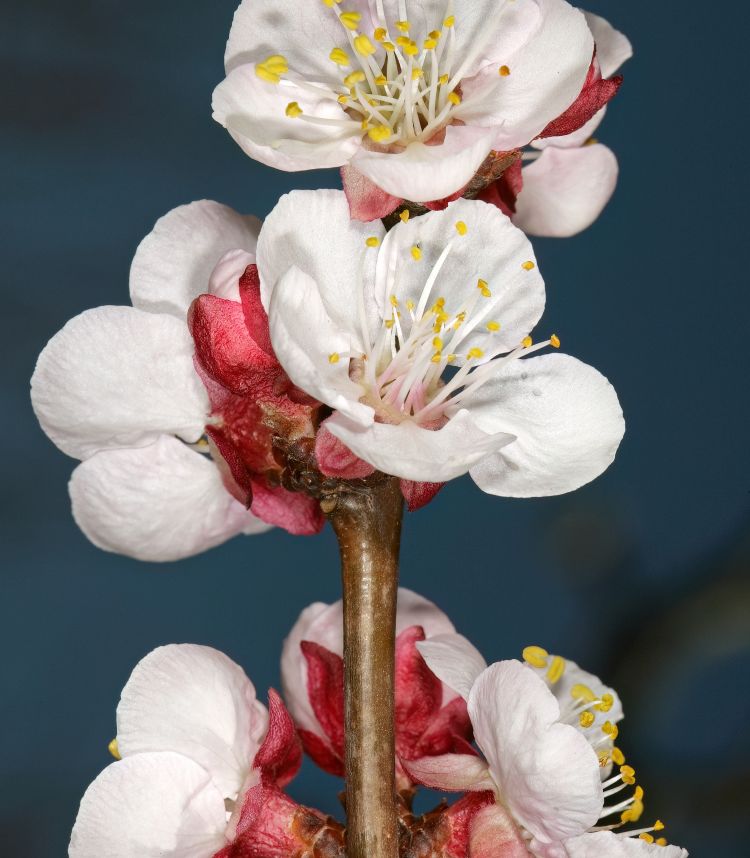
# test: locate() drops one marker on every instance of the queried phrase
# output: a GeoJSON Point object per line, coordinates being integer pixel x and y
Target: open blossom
{"type": "Point", "coordinates": [412, 95]}
{"type": "Point", "coordinates": [419, 341]}
{"type": "Point", "coordinates": [430, 718]}
{"type": "Point", "coordinates": [122, 389]}
{"type": "Point", "coordinates": [546, 730]}
{"type": "Point", "coordinates": [564, 185]}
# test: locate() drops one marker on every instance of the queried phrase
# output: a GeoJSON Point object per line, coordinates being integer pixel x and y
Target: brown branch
{"type": "Point", "coordinates": [367, 523]}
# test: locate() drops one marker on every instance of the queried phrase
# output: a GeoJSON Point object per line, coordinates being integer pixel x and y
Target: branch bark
{"type": "Point", "coordinates": [367, 523]}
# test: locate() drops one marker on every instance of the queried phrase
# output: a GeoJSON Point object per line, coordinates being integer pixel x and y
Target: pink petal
{"type": "Point", "coordinates": [280, 755]}
{"type": "Point", "coordinates": [335, 459]}
{"type": "Point", "coordinates": [451, 772]}
{"type": "Point", "coordinates": [325, 687]}
{"type": "Point", "coordinates": [255, 314]}
{"type": "Point", "coordinates": [366, 200]}
{"type": "Point", "coordinates": [493, 834]}
{"type": "Point", "coordinates": [417, 494]}
{"type": "Point", "coordinates": [595, 94]}
{"type": "Point", "coordinates": [297, 513]}
{"type": "Point", "coordinates": [418, 692]}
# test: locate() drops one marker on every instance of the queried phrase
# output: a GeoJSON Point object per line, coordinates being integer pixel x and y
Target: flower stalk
{"type": "Point", "coordinates": [367, 523]}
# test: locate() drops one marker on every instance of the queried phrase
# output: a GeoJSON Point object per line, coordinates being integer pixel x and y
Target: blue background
{"type": "Point", "coordinates": [641, 576]}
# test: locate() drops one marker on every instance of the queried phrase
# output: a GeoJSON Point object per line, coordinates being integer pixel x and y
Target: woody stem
{"type": "Point", "coordinates": [367, 523]}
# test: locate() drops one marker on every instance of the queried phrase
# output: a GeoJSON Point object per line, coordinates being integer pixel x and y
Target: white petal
{"type": "Point", "coordinates": [254, 113]}
{"type": "Point", "coordinates": [452, 772]}
{"type": "Point", "coordinates": [492, 250]}
{"type": "Point", "coordinates": [150, 806]}
{"type": "Point", "coordinates": [224, 281]}
{"type": "Point", "coordinates": [546, 75]}
{"type": "Point", "coordinates": [173, 264]}
{"type": "Point", "coordinates": [156, 503]}
{"type": "Point", "coordinates": [324, 624]}
{"type": "Point", "coordinates": [195, 701]}
{"type": "Point", "coordinates": [305, 338]}
{"type": "Point", "coordinates": [567, 421]}
{"type": "Point", "coordinates": [574, 675]}
{"type": "Point", "coordinates": [302, 32]}
{"type": "Point", "coordinates": [413, 453]}
{"type": "Point", "coordinates": [546, 772]}
{"type": "Point", "coordinates": [605, 844]}
{"type": "Point", "coordinates": [454, 660]}
{"type": "Point", "coordinates": [424, 173]}
{"type": "Point", "coordinates": [116, 377]}
{"type": "Point", "coordinates": [314, 231]}
{"type": "Point", "coordinates": [613, 48]}
{"type": "Point", "coordinates": [565, 190]}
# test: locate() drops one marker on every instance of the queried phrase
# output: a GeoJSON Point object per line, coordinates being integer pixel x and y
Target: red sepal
{"type": "Point", "coordinates": [418, 495]}
{"type": "Point", "coordinates": [460, 816]}
{"type": "Point", "coordinates": [321, 753]}
{"type": "Point", "coordinates": [418, 693]}
{"type": "Point", "coordinates": [335, 459]}
{"type": "Point", "coordinates": [255, 314]}
{"type": "Point", "coordinates": [504, 192]}
{"type": "Point", "coordinates": [366, 200]}
{"type": "Point", "coordinates": [325, 689]}
{"type": "Point", "coordinates": [297, 513]}
{"type": "Point", "coordinates": [279, 757]}
{"type": "Point", "coordinates": [595, 94]}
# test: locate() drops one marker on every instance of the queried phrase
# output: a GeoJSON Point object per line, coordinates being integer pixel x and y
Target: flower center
{"type": "Point", "coordinates": [402, 368]}
{"type": "Point", "coordinates": [396, 88]}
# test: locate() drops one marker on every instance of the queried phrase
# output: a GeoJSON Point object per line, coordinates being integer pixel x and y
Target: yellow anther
{"type": "Point", "coordinates": [394, 301]}
{"type": "Point", "coordinates": [379, 133]}
{"type": "Point", "coordinates": [440, 303]}
{"type": "Point", "coordinates": [354, 78]}
{"type": "Point", "coordinates": [114, 749]}
{"type": "Point", "coordinates": [416, 74]}
{"type": "Point", "coordinates": [443, 79]}
{"type": "Point", "coordinates": [451, 358]}
{"type": "Point", "coordinates": [412, 49]}
{"type": "Point", "coordinates": [528, 266]}
{"type": "Point", "coordinates": [416, 253]}
{"type": "Point", "coordinates": [405, 215]}
{"type": "Point", "coordinates": [435, 34]}
{"type": "Point", "coordinates": [437, 357]}
{"type": "Point", "coordinates": [449, 21]}
{"type": "Point", "coordinates": [527, 342]}
{"type": "Point", "coordinates": [556, 669]}
{"type": "Point", "coordinates": [350, 19]}
{"type": "Point", "coordinates": [504, 71]}
{"type": "Point", "coordinates": [271, 69]}
{"type": "Point", "coordinates": [461, 227]}
{"type": "Point", "coordinates": [381, 80]}
{"type": "Point", "coordinates": [638, 793]}
{"type": "Point", "coordinates": [536, 656]}
{"type": "Point", "coordinates": [628, 775]}
{"type": "Point", "coordinates": [554, 341]}
{"type": "Point", "coordinates": [402, 26]}
{"type": "Point", "coordinates": [380, 33]}
{"type": "Point", "coordinates": [440, 319]}
{"type": "Point", "coordinates": [437, 343]}
{"type": "Point", "coordinates": [658, 825]}
{"type": "Point", "coordinates": [493, 326]}
{"type": "Point", "coordinates": [586, 719]}
{"type": "Point", "coordinates": [606, 701]}
{"type": "Point", "coordinates": [339, 56]}
{"type": "Point", "coordinates": [389, 323]}
{"type": "Point", "coordinates": [331, 3]}
{"type": "Point", "coordinates": [649, 838]}
{"type": "Point", "coordinates": [661, 841]}
{"type": "Point", "coordinates": [372, 241]}
{"type": "Point", "coordinates": [618, 758]}
{"type": "Point", "coordinates": [454, 98]}
{"type": "Point", "coordinates": [343, 99]}
{"type": "Point", "coordinates": [410, 305]}
{"type": "Point", "coordinates": [603, 757]}
{"type": "Point", "coordinates": [429, 44]}
{"type": "Point", "coordinates": [403, 41]}
{"type": "Point", "coordinates": [293, 109]}
{"type": "Point", "coordinates": [363, 45]}
{"type": "Point", "coordinates": [582, 692]}
{"type": "Point", "coordinates": [610, 729]}
{"type": "Point", "coordinates": [474, 354]}
{"type": "Point", "coordinates": [484, 288]}
{"type": "Point", "coordinates": [389, 46]}
{"type": "Point", "coordinates": [334, 358]}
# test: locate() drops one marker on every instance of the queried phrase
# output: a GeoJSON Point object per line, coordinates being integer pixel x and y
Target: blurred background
{"type": "Point", "coordinates": [641, 577]}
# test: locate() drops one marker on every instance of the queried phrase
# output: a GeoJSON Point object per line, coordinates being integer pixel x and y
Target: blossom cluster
{"type": "Point", "coordinates": [530, 746]}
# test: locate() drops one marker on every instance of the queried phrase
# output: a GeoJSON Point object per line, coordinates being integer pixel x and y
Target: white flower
{"type": "Point", "coordinates": [546, 729]}
{"type": "Point", "coordinates": [188, 729]}
{"type": "Point", "coordinates": [567, 185]}
{"type": "Point", "coordinates": [605, 844]}
{"type": "Point", "coordinates": [414, 94]}
{"type": "Point", "coordinates": [117, 387]}
{"type": "Point", "coordinates": [370, 324]}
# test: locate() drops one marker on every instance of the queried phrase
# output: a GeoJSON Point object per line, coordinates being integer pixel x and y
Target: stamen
{"type": "Point", "coordinates": [271, 69]}
{"type": "Point", "coordinates": [536, 656]}
{"type": "Point", "coordinates": [350, 20]}
{"type": "Point", "coordinates": [504, 71]}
